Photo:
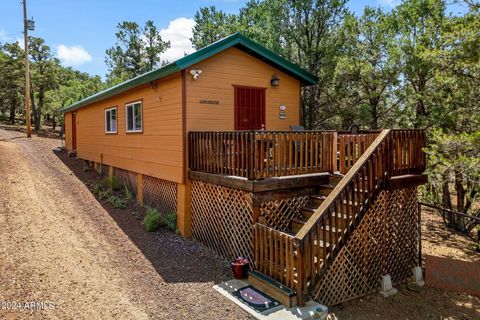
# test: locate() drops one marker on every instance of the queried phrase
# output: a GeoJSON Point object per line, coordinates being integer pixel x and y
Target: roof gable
{"type": "Point", "coordinates": [235, 40]}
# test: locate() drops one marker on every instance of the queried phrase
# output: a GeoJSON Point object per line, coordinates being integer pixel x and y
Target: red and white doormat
{"type": "Point", "coordinates": [451, 274]}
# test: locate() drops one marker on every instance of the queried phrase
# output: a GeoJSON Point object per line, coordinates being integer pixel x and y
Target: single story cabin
{"type": "Point", "coordinates": [211, 137]}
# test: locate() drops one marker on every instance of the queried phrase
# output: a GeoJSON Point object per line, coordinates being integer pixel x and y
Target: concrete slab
{"type": "Point", "coordinates": [311, 311]}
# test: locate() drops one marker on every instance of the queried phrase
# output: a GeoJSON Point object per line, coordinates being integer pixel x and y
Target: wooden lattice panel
{"type": "Point", "coordinates": [222, 218]}
{"type": "Point", "coordinates": [279, 213]}
{"type": "Point", "coordinates": [160, 194]}
{"type": "Point", "coordinates": [403, 228]}
{"type": "Point", "coordinates": [128, 177]}
{"type": "Point", "coordinates": [384, 242]}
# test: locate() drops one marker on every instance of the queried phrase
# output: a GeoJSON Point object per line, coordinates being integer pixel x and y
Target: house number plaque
{"type": "Point", "coordinates": [209, 101]}
{"type": "Point", "coordinates": [283, 113]}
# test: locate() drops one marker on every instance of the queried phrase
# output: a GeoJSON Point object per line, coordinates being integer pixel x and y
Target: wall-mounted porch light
{"type": "Point", "coordinates": [275, 82]}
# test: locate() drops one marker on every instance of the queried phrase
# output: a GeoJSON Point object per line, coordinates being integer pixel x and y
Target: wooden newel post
{"type": "Point", "coordinates": [334, 152]}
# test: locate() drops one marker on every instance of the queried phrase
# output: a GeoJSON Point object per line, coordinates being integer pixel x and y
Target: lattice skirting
{"type": "Point", "coordinates": [222, 218]}
{"type": "Point", "coordinates": [160, 194]}
{"type": "Point", "coordinates": [384, 242]}
{"type": "Point", "coordinates": [128, 177]}
{"type": "Point", "coordinates": [157, 193]}
{"type": "Point", "coordinates": [278, 214]}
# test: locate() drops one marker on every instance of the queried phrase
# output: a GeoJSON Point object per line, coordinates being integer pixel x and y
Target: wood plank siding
{"type": "Point", "coordinates": [158, 150]}
{"type": "Point", "coordinates": [68, 131]}
{"type": "Point", "coordinates": [235, 67]}
{"type": "Point", "coordinates": [155, 151]}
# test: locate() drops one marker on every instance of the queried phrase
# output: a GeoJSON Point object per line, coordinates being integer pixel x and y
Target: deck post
{"type": "Point", "coordinates": [184, 212]}
{"type": "Point", "coordinates": [110, 173]}
{"type": "Point", "coordinates": [334, 152]}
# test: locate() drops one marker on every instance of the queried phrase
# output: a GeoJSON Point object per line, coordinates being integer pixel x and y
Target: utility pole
{"type": "Point", "coordinates": [27, 70]}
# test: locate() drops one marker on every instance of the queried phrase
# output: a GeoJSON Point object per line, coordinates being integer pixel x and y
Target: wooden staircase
{"type": "Point", "coordinates": [298, 258]}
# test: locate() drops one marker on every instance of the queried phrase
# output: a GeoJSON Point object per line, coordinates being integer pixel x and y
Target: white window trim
{"type": "Point", "coordinates": [109, 109]}
{"type": "Point", "coordinates": [126, 116]}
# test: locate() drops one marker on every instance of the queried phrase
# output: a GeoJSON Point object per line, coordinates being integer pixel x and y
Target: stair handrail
{"type": "Point", "coordinates": [329, 201]}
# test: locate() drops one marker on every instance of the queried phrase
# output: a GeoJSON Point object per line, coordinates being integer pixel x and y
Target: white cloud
{"type": "Point", "coordinates": [389, 3]}
{"type": "Point", "coordinates": [73, 56]}
{"type": "Point", "coordinates": [178, 32]}
{"type": "Point", "coordinates": [3, 35]}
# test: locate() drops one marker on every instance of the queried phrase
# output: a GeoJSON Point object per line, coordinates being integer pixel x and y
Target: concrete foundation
{"type": "Point", "coordinates": [387, 289]}
{"type": "Point", "coordinates": [418, 276]}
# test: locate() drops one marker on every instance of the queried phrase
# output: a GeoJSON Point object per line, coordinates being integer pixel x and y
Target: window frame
{"type": "Point", "coordinates": [116, 127]}
{"type": "Point", "coordinates": [127, 105]}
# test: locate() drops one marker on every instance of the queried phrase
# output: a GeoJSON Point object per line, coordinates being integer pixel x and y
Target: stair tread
{"type": "Point", "coordinates": [318, 197]}
{"type": "Point", "coordinates": [308, 208]}
{"type": "Point", "coordinates": [327, 186]}
{"type": "Point", "coordinates": [299, 220]}
{"type": "Point", "coordinates": [273, 283]}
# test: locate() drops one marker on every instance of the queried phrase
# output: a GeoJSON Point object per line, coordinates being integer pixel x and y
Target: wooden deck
{"type": "Point", "coordinates": [358, 168]}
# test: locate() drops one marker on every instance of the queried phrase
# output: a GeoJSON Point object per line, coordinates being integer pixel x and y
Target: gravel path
{"type": "Point", "coordinates": [60, 246]}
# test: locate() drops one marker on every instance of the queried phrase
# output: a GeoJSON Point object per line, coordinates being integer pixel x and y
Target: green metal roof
{"type": "Point", "coordinates": [236, 40]}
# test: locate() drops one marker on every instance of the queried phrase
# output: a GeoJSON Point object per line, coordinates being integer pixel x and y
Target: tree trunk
{"type": "Point", "coordinates": [54, 123]}
{"type": "Point", "coordinates": [446, 201]}
{"type": "Point", "coordinates": [13, 105]}
{"type": "Point", "coordinates": [421, 111]}
{"type": "Point", "coordinates": [38, 118]}
{"type": "Point", "coordinates": [460, 221]}
{"type": "Point", "coordinates": [374, 112]}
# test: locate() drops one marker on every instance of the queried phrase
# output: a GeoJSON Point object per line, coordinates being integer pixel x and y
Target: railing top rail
{"type": "Point", "coordinates": [302, 233]}
{"type": "Point", "coordinates": [408, 129]}
{"type": "Point", "coordinates": [450, 211]}
{"type": "Point", "coordinates": [258, 224]}
{"type": "Point", "coordinates": [265, 131]}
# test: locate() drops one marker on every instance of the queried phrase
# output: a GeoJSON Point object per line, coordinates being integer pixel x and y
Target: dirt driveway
{"type": "Point", "coordinates": [60, 247]}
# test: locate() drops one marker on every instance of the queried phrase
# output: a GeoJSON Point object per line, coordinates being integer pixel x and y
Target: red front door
{"type": "Point", "coordinates": [249, 108]}
{"type": "Point", "coordinates": [74, 131]}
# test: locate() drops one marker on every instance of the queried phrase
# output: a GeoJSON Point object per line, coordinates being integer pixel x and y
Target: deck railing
{"type": "Point", "coordinates": [351, 147]}
{"type": "Point", "coordinates": [273, 254]}
{"type": "Point", "coordinates": [263, 154]}
{"type": "Point", "coordinates": [392, 153]}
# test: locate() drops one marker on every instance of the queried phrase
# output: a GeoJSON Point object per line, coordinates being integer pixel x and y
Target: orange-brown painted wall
{"type": "Point", "coordinates": [157, 151]}
{"type": "Point", "coordinates": [68, 131]}
{"type": "Point", "coordinates": [234, 67]}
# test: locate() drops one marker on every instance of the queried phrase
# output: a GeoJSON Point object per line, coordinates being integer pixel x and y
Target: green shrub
{"type": "Point", "coordinates": [152, 220]}
{"type": "Point", "coordinates": [117, 202]}
{"type": "Point", "coordinates": [96, 188]}
{"type": "Point", "coordinates": [170, 220]}
{"type": "Point", "coordinates": [128, 193]}
{"type": "Point", "coordinates": [113, 183]}
{"type": "Point", "coordinates": [104, 194]}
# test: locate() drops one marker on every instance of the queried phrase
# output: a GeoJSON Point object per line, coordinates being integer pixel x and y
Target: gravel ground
{"type": "Point", "coordinates": [422, 303]}
{"type": "Point", "coordinates": [85, 260]}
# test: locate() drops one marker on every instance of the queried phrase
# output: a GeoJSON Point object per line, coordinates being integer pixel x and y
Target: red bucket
{"type": "Point", "coordinates": [240, 268]}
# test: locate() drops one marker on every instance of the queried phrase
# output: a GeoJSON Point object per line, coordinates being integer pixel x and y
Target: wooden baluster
{"type": "Point", "coordinates": [342, 155]}
{"type": "Point", "coordinates": [348, 211]}
{"type": "Point", "coordinates": [319, 247]}
{"type": "Point", "coordinates": [313, 268]}
{"type": "Point", "coordinates": [326, 241]}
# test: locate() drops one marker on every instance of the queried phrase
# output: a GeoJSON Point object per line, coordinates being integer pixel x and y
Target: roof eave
{"type": "Point", "coordinates": [124, 86]}
{"type": "Point", "coordinates": [236, 40]}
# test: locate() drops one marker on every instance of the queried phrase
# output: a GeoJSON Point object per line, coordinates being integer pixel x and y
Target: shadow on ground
{"type": "Point", "coordinates": [175, 258]}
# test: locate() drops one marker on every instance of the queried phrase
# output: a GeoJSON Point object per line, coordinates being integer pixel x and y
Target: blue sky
{"type": "Point", "coordinates": [79, 32]}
